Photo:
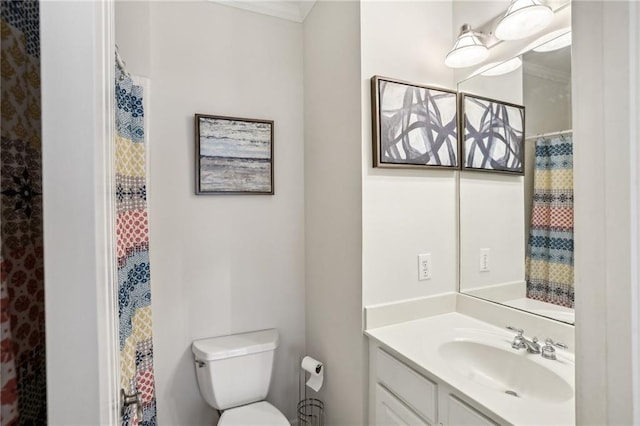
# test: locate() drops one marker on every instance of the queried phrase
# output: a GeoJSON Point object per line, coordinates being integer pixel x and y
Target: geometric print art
{"type": "Point", "coordinates": [132, 251]}
{"type": "Point", "coordinates": [414, 125]}
{"type": "Point", "coordinates": [493, 135]}
{"type": "Point", "coordinates": [551, 246]}
{"type": "Point", "coordinates": [22, 340]}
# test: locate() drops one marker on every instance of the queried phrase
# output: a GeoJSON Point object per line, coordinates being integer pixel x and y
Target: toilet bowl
{"type": "Point", "coordinates": [234, 373]}
{"type": "Point", "coordinates": [258, 413]}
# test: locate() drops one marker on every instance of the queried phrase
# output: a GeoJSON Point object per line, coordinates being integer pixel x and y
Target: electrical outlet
{"type": "Point", "coordinates": [484, 259]}
{"type": "Point", "coordinates": [424, 266]}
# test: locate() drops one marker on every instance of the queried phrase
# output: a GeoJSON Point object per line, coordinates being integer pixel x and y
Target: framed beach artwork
{"type": "Point", "coordinates": [492, 135]}
{"type": "Point", "coordinates": [414, 126]}
{"type": "Point", "coordinates": [233, 155]}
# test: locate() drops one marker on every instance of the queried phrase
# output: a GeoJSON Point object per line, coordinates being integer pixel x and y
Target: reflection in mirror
{"type": "Point", "coordinates": [516, 232]}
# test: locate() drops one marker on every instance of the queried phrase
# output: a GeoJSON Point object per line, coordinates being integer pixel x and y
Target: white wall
{"type": "Point", "coordinates": [405, 213]}
{"type": "Point", "coordinates": [333, 207]}
{"type": "Point", "coordinates": [605, 77]}
{"type": "Point", "coordinates": [221, 264]}
{"type": "Point", "coordinates": [491, 212]}
{"type": "Point", "coordinates": [77, 96]}
{"type": "Point", "coordinates": [634, 110]}
{"type": "Point", "coordinates": [548, 103]}
{"type": "Point", "coordinates": [476, 12]}
{"type": "Point", "coordinates": [132, 21]}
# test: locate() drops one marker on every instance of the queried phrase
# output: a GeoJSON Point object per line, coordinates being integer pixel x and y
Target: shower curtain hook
{"type": "Point", "coordinates": [121, 64]}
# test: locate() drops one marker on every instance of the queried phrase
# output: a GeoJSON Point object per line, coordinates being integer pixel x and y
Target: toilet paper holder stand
{"type": "Point", "coordinates": [310, 410]}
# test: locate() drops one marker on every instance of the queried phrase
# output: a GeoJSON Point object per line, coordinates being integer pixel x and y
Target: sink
{"type": "Point", "coordinates": [514, 373]}
{"type": "Point", "coordinates": [476, 359]}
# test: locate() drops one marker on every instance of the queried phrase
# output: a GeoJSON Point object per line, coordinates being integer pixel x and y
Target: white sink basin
{"type": "Point", "coordinates": [505, 370]}
{"type": "Point", "coordinates": [477, 360]}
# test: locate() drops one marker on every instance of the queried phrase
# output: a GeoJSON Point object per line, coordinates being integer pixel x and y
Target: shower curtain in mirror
{"type": "Point", "coordinates": [550, 251]}
{"type": "Point", "coordinates": [132, 243]}
{"type": "Point", "coordinates": [22, 338]}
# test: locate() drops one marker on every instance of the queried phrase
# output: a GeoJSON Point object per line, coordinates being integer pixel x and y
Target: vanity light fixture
{"type": "Point", "coordinates": [523, 19]}
{"type": "Point", "coordinates": [467, 51]}
{"type": "Point", "coordinates": [555, 43]}
{"type": "Point", "coordinates": [504, 68]}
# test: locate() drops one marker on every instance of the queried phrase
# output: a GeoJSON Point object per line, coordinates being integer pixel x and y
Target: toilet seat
{"type": "Point", "coordinates": [258, 413]}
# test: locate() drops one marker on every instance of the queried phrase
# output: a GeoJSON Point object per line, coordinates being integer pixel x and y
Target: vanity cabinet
{"type": "Point", "coordinates": [401, 396]}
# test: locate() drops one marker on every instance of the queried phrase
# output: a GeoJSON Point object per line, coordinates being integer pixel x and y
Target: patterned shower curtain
{"type": "Point", "coordinates": [132, 243]}
{"type": "Point", "coordinates": [22, 351]}
{"type": "Point", "coordinates": [550, 252]}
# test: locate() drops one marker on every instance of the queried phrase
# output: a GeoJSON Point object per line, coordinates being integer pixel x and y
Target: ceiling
{"type": "Point", "coordinates": [293, 10]}
{"type": "Point", "coordinates": [297, 10]}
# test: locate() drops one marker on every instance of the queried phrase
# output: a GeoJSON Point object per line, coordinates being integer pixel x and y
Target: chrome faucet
{"type": "Point", "coordinates": [520, 342]}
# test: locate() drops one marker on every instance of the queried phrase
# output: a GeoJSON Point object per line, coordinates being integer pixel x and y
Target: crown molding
{"type": "Point", "coordinates": [296, 10]}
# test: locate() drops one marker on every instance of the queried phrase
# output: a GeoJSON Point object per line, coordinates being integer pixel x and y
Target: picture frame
{"type": "Point", "coordinates": [413, 125]}
{"type": "Point", "coordinates": [492, 135]}
{"type": "Point", "coordinates": [233, 155]}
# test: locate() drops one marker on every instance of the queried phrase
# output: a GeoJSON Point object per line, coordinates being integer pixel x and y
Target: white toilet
{"type": "Point", "coordinates": [234, 373]}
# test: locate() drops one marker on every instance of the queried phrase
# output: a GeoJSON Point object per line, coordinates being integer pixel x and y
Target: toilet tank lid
{"type": "Point", "coordinates": [235, 345]}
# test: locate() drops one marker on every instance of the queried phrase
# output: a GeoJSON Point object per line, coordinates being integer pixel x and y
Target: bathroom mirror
{"type": "Point", "coordinates": [516, 232]}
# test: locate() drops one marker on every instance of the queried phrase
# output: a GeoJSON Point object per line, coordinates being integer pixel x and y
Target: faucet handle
{"type": "Point", "coordinates": [548, 351]}
{"type": "Point", "coordinates": [550, 342]}
{"type": "Point", "coordinates": [517, 330]}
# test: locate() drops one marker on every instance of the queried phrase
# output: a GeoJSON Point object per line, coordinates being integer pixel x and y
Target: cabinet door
{"type": "Point", "coordinates": [390, 411]}
{"type": "Point", "coordinates": [415, 390]}
{"type": "Point", "coordinates": [460, 414]}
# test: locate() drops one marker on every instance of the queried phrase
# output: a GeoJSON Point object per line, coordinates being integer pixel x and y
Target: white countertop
{"type": "Point", "coordinates": [416, 343]}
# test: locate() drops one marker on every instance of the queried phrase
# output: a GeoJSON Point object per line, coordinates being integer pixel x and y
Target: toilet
{"type": "Point", "coordinates": [234, 374]}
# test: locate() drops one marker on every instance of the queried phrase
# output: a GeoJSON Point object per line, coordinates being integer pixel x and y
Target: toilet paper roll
{"type": "Point", "coordinates": [315, 370]}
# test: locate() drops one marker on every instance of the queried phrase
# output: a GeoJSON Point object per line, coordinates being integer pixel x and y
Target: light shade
{"type": "Point", "coordinates": [523, 19]}
{"type": "Point", "coordinates": [504, 68]}
{"type": "Point", "coordinates": [468, 50]}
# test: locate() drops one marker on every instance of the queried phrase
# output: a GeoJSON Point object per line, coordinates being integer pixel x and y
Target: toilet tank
{"type": "Point", "coordinates": [236, 369]}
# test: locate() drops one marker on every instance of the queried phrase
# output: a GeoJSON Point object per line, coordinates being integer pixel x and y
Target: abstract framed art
{"type": "Point", "coordinates": [492, 135]}
{"type": "Point", "coordinates": [233, 155]}
{"type": "Point", "coordinates": [414, 126]}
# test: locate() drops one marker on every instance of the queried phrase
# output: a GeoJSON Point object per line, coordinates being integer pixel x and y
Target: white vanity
{"type": "Point", "coordinates": [449, 360]}
{"type": "Point", "coordinates": [454, 369]}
